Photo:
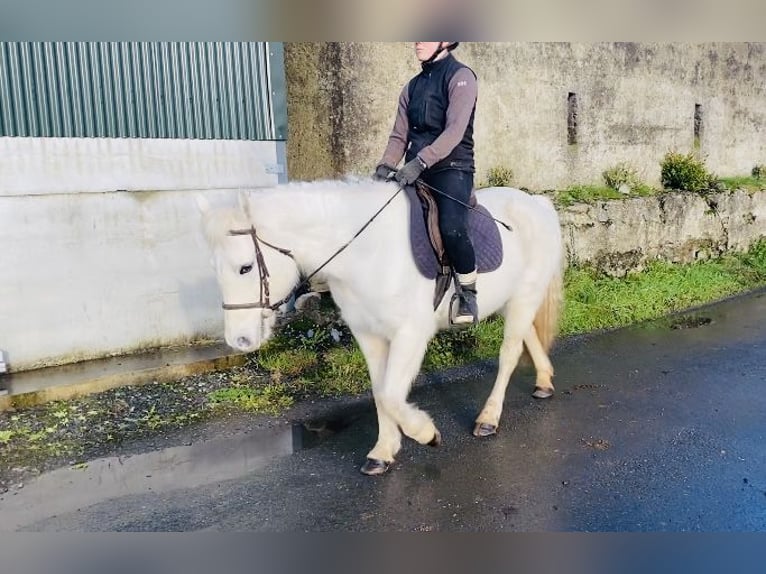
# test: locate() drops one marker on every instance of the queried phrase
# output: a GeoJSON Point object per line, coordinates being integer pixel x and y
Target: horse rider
{"type": "Point", "coordinates": [433, 130]}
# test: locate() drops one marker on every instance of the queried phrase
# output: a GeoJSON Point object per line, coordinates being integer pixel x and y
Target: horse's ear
{"type": "Point", "coordinates": [244, 202]}
{"type": "Point", "coordinates": [202, 203]}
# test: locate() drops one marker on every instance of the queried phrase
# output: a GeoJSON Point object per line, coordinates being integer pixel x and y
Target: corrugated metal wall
{"type": "Point", "coordinates": [199, 90]}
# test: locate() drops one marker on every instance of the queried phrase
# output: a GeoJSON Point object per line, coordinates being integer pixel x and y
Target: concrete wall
{"type": "Point", "coordinates": [101, 251]}
{"type": "Point", "coordinates": [635, 103]}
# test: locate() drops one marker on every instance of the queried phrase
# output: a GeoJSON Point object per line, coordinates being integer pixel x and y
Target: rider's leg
{"type": "Point", "coordinates": [453, 223]}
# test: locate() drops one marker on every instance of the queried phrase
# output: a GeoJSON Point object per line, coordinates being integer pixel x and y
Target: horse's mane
{"type": "Point", "coordinates": [320, 199]}
{"type": "Point", "coordinates": [343, 200]}
{"type": "Point", "coordinates": [321, 187]}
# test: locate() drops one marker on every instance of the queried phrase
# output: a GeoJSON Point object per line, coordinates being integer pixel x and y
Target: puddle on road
{"type": "Point", "coordinates": [68, 489]}
{"type": "Point", "coordinates": [690, 322]}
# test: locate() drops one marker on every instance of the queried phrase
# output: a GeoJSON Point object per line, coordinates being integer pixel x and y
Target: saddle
{"type": "Point", "coordinates": [428, 247]}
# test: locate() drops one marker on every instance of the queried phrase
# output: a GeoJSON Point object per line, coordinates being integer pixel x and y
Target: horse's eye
{"type": "Point", "coordinates": [245, 269]}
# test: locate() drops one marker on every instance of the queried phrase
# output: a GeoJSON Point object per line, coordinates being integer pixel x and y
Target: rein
{"type": "Point", "coordinates": [264, 272]}
{"type": "Point", "coordinates": [471, 207]}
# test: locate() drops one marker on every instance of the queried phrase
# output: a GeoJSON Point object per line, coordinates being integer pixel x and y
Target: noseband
{"type": "Point", "coordinates": [263, 272]}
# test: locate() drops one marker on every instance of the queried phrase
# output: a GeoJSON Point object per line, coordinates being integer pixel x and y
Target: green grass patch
{"type": "Point", "coordinates": [595, 301]}
{"type": "Point", "coordinates": [272, 398]}
{"type": "Point", "coordinates": [585, 194]}
{"type": "Point", "coordinates": [748, 183]}
{"type": "Point", "coordinates": [345, 371]}
{"type": "Point", "coordinates": [289, 362]}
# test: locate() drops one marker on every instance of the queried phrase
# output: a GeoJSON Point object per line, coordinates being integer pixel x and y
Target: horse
{"type": "Point", "coordinates": [262, 247]}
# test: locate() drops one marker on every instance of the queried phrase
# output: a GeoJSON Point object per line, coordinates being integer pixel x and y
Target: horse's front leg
{"type": "Point", "coordinates": [375, 350]}
{"type": "Point", "coordinates": [405, 357]}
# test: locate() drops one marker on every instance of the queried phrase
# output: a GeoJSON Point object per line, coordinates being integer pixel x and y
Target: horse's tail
{"type": "Point", "coordinates": [546, 321]}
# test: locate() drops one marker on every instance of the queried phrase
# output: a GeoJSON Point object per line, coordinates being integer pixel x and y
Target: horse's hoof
{"type": "Point", "coordinates": [541, 393]}
{"type": "Point", "coordinates": [484, 430]}
{"type": "Point", "coordinates": [437, 440]}
{"type": "Point", "coordinates": [375, 467]}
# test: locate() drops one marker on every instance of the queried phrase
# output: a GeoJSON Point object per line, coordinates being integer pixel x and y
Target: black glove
{"type": "Point", "coordinates": [383, 172]}
{"type": "Point", "coordinates": [410, 172]}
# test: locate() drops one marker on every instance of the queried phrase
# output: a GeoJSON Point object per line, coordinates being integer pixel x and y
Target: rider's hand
{"type": "Point", "coordinates": [411, 171]}
{"type": "Point", "coordinates": [383, 172]}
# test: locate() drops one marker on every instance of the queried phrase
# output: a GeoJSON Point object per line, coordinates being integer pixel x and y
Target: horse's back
{"type": "Point", "coordinates": [535, 226]}
{"type": "Point", "coordinates": [515, 206]}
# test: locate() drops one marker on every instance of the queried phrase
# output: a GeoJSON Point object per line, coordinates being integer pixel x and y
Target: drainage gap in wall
{"type": "Point", "coordinates": [572, 118]}
{"type": "Point", "coordinates": [698, 126]}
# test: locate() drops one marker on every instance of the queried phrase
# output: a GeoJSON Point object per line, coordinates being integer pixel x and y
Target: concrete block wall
{"type": "Point", "coordinates": [634, 102]}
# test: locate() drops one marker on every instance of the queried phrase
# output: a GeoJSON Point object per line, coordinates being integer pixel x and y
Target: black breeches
{"type": "Point", "coordinates": [453, 217]}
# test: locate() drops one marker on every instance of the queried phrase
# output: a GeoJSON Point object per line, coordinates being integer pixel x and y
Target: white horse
{"type": "Point", "coordinates": [382, 297]}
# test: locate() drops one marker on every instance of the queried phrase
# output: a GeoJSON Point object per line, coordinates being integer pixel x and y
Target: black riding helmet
{"type": "Point", "coordinates": [449, 47]}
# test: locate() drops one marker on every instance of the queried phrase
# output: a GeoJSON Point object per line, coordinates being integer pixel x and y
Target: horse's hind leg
{"type": "Point", "coordinates": [518, 323]}
{"type": "Point", "coordinates": [375, 350]}
{"type": "Point", "coordinates": [543, 367]}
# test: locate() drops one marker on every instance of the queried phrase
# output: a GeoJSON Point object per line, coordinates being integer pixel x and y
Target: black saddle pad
{"type": "Point", "coordinates": [483, 231]}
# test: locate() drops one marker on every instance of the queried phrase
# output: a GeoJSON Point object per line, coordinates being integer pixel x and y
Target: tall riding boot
{"type": "Point", "coordinates": [467, 311]}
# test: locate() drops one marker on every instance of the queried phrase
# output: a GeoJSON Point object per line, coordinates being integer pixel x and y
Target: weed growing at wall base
{"type": "Point", "coordinates": [685, 173]}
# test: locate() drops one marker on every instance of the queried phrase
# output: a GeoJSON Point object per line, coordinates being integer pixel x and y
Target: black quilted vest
{"type": "Point", "coordinates": [427, 114]}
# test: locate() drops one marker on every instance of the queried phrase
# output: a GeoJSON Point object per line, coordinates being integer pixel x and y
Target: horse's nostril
{"type": "Point", "coordinates": [243, 342]}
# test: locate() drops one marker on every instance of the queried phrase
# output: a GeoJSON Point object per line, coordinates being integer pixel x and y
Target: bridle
{"type": "Point", "coordinates": [263, 272]}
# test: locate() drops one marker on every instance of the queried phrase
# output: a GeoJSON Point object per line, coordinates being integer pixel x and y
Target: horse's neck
{"type": "Point", "coordinates": [314, 222]}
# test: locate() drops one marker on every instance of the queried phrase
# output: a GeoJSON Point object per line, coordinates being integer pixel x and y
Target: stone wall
{"type": "Point", "coordinates": [634, 102]}
{"type": "Point", "coordinates": [620, 235]}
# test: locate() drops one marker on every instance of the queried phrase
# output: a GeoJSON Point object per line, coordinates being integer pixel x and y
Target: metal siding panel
{"type": "Point", "coordinates": [110, 113]}
{"type": "Point", "coordinates": [237, 88]}
{"type": "Point", "coordinates": [167, 89]}
{"type": "Point", "coordinates": [43, 101]}
{"type": "Point", "coordinates": [6, 109]}
{"type": "Point", "coordinates": [86, 89]}
{"type": "Point", "coordinates": [252, 109]}
{"type": "Point", "coordinates": [140, 89]}
{"type": "Point", "coordinates": [203, 92]}
{"type": "Point", "coordinates": [151, 94]}
{"type": "Point", "coordinates": [195, 91]}
{"type": "Point", "coordinates": [129, 101]}
{"type": "Point", "coordinates": [179, 103]}
{"type": "Point", "coordinates": [278, 90]}
{"type": "Point", "coordinates": [75, 71]}
{"type": "Point", "coordinates": [118, 92]}
{"type": "Point", "coordinates": [19, 120]}
{"type": "Point", "coordinates": [54, 89]}
{"type": "Point", "coordinates": [185, 89]}
{"type": "Point", "coordinates": [213, 90]}
{"type": "Point", "coordinates": [227, 129]}
{"type": "Point", "coordinates": [27, 82]}
{"type": "Point", "coordinates": [65, 89]}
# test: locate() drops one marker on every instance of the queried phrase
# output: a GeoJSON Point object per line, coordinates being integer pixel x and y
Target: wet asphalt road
{"type": "Point", "coordinates": [652, 429]}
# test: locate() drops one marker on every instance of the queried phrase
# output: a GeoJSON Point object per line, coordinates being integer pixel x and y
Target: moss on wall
{"type": "Point", "coordinates": [309, 111]}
